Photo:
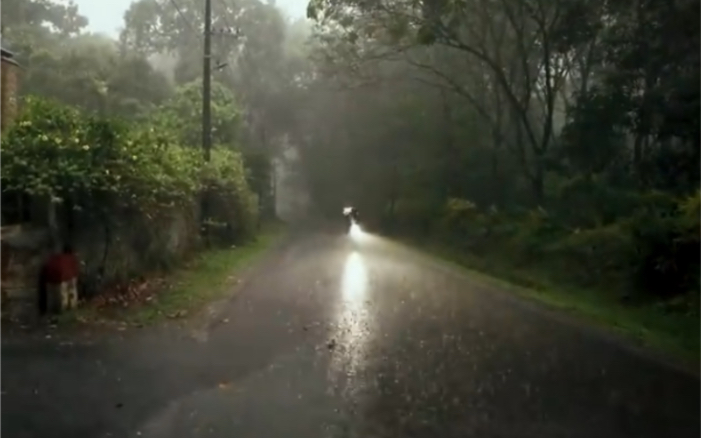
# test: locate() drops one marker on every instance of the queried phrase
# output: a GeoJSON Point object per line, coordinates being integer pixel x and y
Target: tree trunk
{"type": "Point", "coordinates": [495, 170]}
{"type": "Point", "coordinates": [451, 174]}
{"type": "Point", "coordinates": [538, 182]}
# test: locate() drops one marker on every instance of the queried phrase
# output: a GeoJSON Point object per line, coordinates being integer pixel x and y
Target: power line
{"type": "Point", "coordinates": [230, 29]}
{"type": "Point", "coordinates": [187, 22]}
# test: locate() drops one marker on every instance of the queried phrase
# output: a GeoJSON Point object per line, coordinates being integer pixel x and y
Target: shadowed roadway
{"type": "Point", "coordinates": [333, 339]}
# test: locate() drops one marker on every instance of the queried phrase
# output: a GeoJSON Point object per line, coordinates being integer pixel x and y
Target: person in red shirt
{"type": "Point", "coordinates": [59, 280]}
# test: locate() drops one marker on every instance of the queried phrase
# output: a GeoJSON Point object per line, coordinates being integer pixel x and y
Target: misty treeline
{"type": "Point", "coordinates": [156, 63]}
{"type": "Point", "coordinates": [556, 136]}
{"type": "Point", "coordinates": [109, 130]}
{"type": "Point", "coordinates": [550, 136]}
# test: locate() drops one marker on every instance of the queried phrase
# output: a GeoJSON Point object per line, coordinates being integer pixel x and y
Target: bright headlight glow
{"type": "Point", "coordinates": [347, 210]}
{"type": "Point", "coordinates": [355, 231]}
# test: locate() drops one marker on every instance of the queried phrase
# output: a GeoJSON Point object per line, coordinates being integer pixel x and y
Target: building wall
{"type": "Point", "coordinates": [8, 92]}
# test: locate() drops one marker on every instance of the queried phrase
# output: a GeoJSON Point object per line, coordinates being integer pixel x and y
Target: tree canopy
{"type": "Point", "coordinates": [584, 114]}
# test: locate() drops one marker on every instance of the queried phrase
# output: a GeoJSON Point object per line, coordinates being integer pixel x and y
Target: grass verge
{"type": "Point", "coordinates": [673, 334]}
{"type": "Point", "coordinates": [208, 277]}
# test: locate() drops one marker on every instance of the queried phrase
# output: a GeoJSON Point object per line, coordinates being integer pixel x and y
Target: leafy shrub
{"type": "Point", "coordinates": [413, 215]}
{"type": "Point", "coordinates": [56, 152]}
{"type": "Point", "coordinates": [233, 206]}
{"type": "Point", "coordinates": [593, 257]}
{"type": "Point", "coordinates": [462, 218]}
{"type": "Point", "coordinates": [531, 234]}
{"type": "Point", "coordinates": [654, 252]}
{"type": "Point", "coordinates": [113, 176]}
{"type": "Point", "coordinates": [181, 114]}
{"type": "Point", "coordinates": [591, 201]}
{"type": "Point", "coordinates": [690, 216]}
{"type": "Point", "coordinates": [666, 262]}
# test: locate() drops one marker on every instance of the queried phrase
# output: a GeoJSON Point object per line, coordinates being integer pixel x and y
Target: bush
{"type": "Point", "coordinates": [462, 220]}
{"type": "Point", "coordinates": [653, 251]}
{"type": "Point", "coordinates": [594, 257]}
{"type": "Point", "coordinates": [531, 234]}
{"type": "Point", "coordinates": [233, 206]}
{"type": "Point", "coordinates": [592, 201]}
{"type": "Point", "coordinates": [56, 152]}
{"type": "Point", "coordinates": [410, 215]}
{"type": "Point", "coordinates": [666, 262]}
{"type": "Point", "coordinates": [122, 178]}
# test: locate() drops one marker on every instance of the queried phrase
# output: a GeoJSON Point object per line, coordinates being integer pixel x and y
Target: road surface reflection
{"type": "Point", "coordinates": [349, 338]}
{"type": "Point", "coordinates": [354, 284]}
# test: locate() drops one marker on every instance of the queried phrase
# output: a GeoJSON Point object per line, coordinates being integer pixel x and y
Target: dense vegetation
{"type": "Point", "coordinates": [551, 136]}
{"type": "Point", "coordinates": [108, 140]}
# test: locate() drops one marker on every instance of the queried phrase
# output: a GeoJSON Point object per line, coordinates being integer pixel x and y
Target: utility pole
{"type": "Point", "coordinates": [274, 189]}
{"type": "Point", "coordinates": [207, 105]}
{"type": "Point", "coordinates": [207, 83]}
{"type": "Point", "coordinates": [206, 111]}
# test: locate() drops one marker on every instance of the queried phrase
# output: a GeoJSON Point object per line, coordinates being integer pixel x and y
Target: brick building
{"type": "Point", "coordinates": [8, 90]}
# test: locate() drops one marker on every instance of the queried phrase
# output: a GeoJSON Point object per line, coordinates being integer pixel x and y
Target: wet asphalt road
{"type": "Point", "coordinates": [330, 340]}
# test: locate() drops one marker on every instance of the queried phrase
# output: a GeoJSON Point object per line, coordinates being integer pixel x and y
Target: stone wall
{"type": "Point", "coordinates": [134, 246]}
{"type": "Point", "coordinates": [23, 249]}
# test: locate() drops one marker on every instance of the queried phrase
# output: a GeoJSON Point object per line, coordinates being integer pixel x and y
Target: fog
{"type": "Point", "coordinates": [553, 144]}
{"type": "Point", "coordinates": [434, 119]}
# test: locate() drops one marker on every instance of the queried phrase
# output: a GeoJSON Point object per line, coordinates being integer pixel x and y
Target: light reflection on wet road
{"type": "Point", "coordinates": [355, 281]}
{"type": "Point", "coordinates": [351, 332]}
{"type": "Point", "coordinates": [351, 340]}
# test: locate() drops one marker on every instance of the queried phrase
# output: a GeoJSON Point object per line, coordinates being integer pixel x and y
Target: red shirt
{"type": "Point", "coordinates": [61, 268]}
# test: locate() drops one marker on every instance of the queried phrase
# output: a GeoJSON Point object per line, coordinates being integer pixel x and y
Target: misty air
{"type": "Point", "coordinates": [346, 218]}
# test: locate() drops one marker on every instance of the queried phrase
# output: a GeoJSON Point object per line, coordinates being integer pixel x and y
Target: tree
{"type": "Point", "coordinates": [61, 61]}
{"type": "Point", "coordinates": [88, 71]}
{"type": "Point", "coordinates": [28, 24]}
{"type": "Point", "coordinates": [182, 114]}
